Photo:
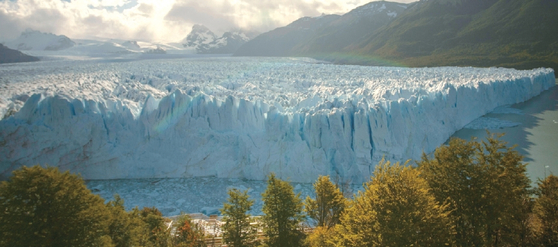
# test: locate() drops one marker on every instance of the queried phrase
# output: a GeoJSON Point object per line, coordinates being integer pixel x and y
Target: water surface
{"type": "Point", "coordinates": [537, 135]}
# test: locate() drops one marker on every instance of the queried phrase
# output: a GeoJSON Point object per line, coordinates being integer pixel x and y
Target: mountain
{"type": "Point", "coordinates": [228, 43]}
{"type": "Point", "coordinates": [283, 41]}
{"type": "Point", "coordinates": [507, 33]}
{"type": "Point", "coordinates": [510, 33]}
{"type": "Point", "coordinates": [96, 47]}
{"type": "Point", "coordinates": [8, 55]}
{"type": "Point", "coordinates": [131, 45]}
{"type": "Point", "coordinates": [325, 34]}
{"type": "Point", "coordinates": [206, 42]}
{"type": "Point", "coordinates": [353, 26]}
{"type": "Point", "coordinates": [157, 50]}
{"type": "Point", "coordinates": [36, 40]}
{"type": "Point", "coordinates": [200, 37]}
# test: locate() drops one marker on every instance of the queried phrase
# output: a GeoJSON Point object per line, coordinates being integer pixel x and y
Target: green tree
{"type": "Point", "coordinates": [237, 231]}
{"type": "Point", "coordinates": [125, 228]}
{"type": "Point", "coordinates": [326, 209]}
{"type": "Point", "coordinates": [486, 188]}
{"type": "Point", "coordinates": [395, 209]}
{"type": "Point", "coordinates": [159, 233]}
{"type": "Point", "coordinates": [546, 211]}
{"type": "Point", "coordinates": [44, 207]}
{"type": "Point", "coordinates": [188, 233]}
{"type": "Point", "coordinates": [282, 214]}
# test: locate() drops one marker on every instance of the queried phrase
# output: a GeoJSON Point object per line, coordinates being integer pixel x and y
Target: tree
{"type": "Point", "coordinates": [486, 188]}
{"type": "Point", "coordinates": [395, 209]}
{"type": "Point", "coordinates": [326, 209]}
{"type": "Point", "coordinates": [320, 237]}
{"type": "Point", "coordinates": [546, 211]}
{"type": "Point", "coordinates": [159, 234]}
{"type": "Point", "coordinates": [125, 228]}
{"type": "Point", "coordinates": [188, 233]}
{"type": "Point", "coordinates": [44, 207]}
{"type": "Point", "coordinates": [282, 214]}
{"type": "Point", "coordinates": [237, 231]}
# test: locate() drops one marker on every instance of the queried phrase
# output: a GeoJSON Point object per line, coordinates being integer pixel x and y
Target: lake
{"type": "Point", "coordinates": [536, 136]}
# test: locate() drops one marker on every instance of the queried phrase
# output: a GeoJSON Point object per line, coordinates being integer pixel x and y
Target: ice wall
{"type": "Point", "coordinates": [199, 133]}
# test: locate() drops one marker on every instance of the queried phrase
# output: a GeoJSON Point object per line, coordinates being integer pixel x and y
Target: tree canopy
{"type": "Point", "coordinates": [485, 186]}
{"type": "Point", "coordinates": [395, 209]}
{"type": "Point", "coordinates": [44, 207]}
{"type": "Point", "coordinates": [326, 209]}
{"type": "Point", "coordinates": [546, 212]}
{"type": "Point", "coordinates": [282, 214]}
{"type": "Point", "coordinates": [237, 231]}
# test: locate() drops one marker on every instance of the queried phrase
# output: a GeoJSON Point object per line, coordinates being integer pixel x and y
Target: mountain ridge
{"type": "Point", "coordinates": [309, 36]}
{"type": "Point", "coordinates": [507, 33]}
{"type": "Point", "coordinates": [204, 41]}
{"type": "Point", "coordinates": [36, 40]}
{"type": "Point", "coordinates": [8, 55]}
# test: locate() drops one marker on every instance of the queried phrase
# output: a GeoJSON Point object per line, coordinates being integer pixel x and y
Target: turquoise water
{"type": "Point", "coordinates": [536, 137]}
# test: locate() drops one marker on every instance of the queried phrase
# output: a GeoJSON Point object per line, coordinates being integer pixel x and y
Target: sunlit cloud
{"type": "Point", "coordinates": [156, 20]}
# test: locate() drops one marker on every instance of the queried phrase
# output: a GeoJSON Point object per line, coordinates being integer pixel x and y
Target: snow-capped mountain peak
{"type": "Point", "coordinates": [199, 35]}
{"type": "Point", "coordinates": [35, 40]}
{"type": "Point", "coordinates": [205, 41]}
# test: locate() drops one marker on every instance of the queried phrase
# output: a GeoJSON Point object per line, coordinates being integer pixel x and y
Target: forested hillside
{"type": "Point", "coordinates": [507, 33]}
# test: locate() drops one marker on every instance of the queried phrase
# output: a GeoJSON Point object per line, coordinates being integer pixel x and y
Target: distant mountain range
{"type": "Point", "coordinates": [39, 41]}
{"type": "Point", "coordinates": [508, 33]}
{"type": "Point", "coordinates": [8, 55]}
{"type": "Point", "coordinates": [204, 41]}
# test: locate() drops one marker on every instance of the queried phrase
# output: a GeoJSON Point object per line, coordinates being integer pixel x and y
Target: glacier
{"type": "Point", "coordinates": [240, 117]}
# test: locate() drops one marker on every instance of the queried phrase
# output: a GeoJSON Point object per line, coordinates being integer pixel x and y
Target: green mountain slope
{"type": "Point", "coordinates": [509, 33]}
{"type": "Point", "coordinates": [341, 34]}
{"type": "Point", "coordinates": [521, 34]}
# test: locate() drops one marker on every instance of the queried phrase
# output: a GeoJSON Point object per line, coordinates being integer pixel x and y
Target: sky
{"type": "Point", "coordinates": [157, 20]}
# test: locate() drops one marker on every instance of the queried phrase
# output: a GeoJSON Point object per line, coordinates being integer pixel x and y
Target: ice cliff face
{"type": "Point", "coordinates": [242, 117]}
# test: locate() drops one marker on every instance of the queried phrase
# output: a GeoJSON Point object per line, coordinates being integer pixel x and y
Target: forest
{"type": "Point", "coordinates": [467, 193]}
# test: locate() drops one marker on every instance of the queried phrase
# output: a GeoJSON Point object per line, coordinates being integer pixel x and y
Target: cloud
{"type": "Point", "coordinates": [212, 16]}
{"type": "Point", "coordinates": [260, 15]}
{"type": "Point", "coordinates": [10, 26]}
{"type": "Point", "coordinates": [156, 20]}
